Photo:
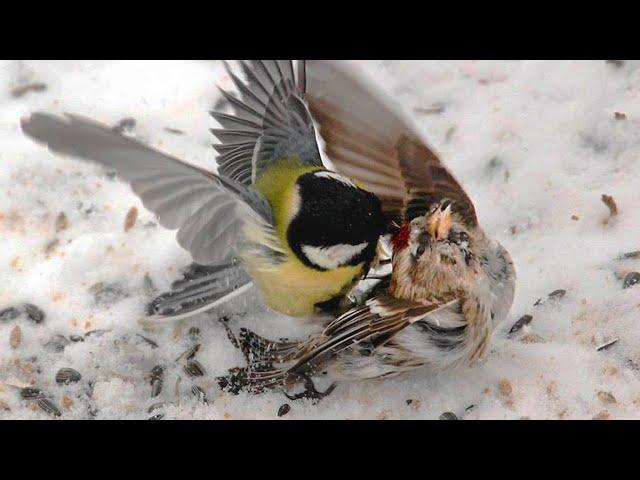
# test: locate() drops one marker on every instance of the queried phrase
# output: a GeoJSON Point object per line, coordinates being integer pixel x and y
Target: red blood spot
{"type": "Point", "coordinates": [401, 240]}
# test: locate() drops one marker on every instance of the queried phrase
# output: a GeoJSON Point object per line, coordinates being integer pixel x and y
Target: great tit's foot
{"type": "Point", "coordinates": [310, 392]}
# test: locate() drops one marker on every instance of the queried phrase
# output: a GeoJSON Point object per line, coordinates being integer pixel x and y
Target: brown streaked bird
{"type": "Point", "coordinates": [450, 283]}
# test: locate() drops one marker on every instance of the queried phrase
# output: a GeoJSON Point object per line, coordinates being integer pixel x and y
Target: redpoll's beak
{"type": "Point", "coordinates": [438, 223]}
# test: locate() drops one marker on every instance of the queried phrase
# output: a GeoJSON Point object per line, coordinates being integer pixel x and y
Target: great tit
{"type": "Point", "coordinates": [273, 214]}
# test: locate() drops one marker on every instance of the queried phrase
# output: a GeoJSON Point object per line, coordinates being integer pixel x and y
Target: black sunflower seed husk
{"type": "Point", "coordinates": [194, 334]}
{"type": "Point", "coordinates": [34, 313]}
{"type": "Point", "coordinates": [57, 344]}
{"type": "Point", "coordinates": [189, 354]}
{"type": "Point", "coordinates": [284, 409]}
{"type": "Point", "coordinates": [30, 393]}
{"type": "Point", "coordinates": [199, 393]}
{"type": "Point", "coordinates": [48, 406]}
{"type": "Point", "coordinates": [522, 321]}
{"type": "Point", "coordinates": [10, 313]}
{"type": "Point", "coordinates": [157, 374]}
{"type": "Point", "coordinates": [607, 345]}
{"type": "Point", "coordinates": [193, 368]}
{"type": "Point", "coordinates": [66, 376]}
{"type": "Point", "coordinates": [448, 416]}
{"type": "Point", "coordinates": [631, 279]}
{"type": "Point", "coordinates": [148, 341]}
{"type": "Point", "coordinates": [155, 406]}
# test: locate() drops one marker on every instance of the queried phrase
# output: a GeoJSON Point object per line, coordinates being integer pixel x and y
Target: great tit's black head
{"type": "Point", "coordinates": [336, 224]}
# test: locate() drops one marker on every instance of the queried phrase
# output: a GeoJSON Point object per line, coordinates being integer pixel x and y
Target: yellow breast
{"type": "Point", "coordinates": [292, 287]}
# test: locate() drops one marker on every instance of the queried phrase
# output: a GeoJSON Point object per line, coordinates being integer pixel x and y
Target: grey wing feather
{"type": "Point", "coordinates": [206, 208]}
{"type": "Point", "coordinates": [270, 121]}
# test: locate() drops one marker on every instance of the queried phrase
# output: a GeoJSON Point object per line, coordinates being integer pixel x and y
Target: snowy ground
{"type": "Point", "coordinates": [535, 143]}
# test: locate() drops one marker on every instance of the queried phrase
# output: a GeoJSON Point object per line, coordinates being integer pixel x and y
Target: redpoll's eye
{"type": "Point", "coordinates": [420, 251]}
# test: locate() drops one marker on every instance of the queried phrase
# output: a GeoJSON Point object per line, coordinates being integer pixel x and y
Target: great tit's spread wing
{"type": "Point", "coordinates": [207, 209]}
{"type": "Point", "coordinates": [270, 121]}
{"type": "Point", "coordinates": [368, 140]}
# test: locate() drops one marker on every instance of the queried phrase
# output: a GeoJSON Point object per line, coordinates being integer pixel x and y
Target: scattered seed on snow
{"type": "Point", "coordinates": [15, 338]}
{"type": "Point", "coordinates": [130, 219]}
{"type": "Point", "coordinates": [522, 321]}
{"type": "Point", "coordinates": [29, 393]}
{"type": "Point", "coordinates": [631, 279]}
{"type": "Point", "coordinates": [607, 397]}
{"type": "Point", "coordinates": [284, 409]}
{"type": "Point", "coordinates": [200, 394]}
{"type": "Point", "coordinates": [448, 416]}
{"type": "Point", "coordinates": [607, 345]}
{"type": "Point", "coordinates": [193, 368]}
{"type": "Point", "coordinates": [10, 313]}
{"type": "Point", "coordinates": [66, 376]}
{"type": "Point", "coordinates": [34, 313]}
{"type": "Point", "coordinates": [49, 407]}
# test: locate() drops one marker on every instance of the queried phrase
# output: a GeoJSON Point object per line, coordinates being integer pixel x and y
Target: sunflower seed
{"type": "Point", "coordinates": [105, 294]}
{"type": "Point", "coordinates": [284, 409]}
{"type": "Point", "coordinates": [607, 397]}
{"type": "Point", "coordinates": [15, 337]}
{"type": "Point", "coordinates": [34, 313]}
{"type": "Point", "coordinates": [66, 376]}
{"type": "Point", "coordinates": [448, 416]}
{"type": "Point", "coordinates": [197, 392]}
{"type": "Point", "coordinates": [607, 345]}
{"type": "Point", "coordinates": [189, 354]}
{"type": "Point", "coordinates": [524, 320]}
{"type": "Point", "coordinates": [125, 124]}
{"type": "Point", "coordinates": [95, 333]}
{"type": "Point", "coordinates": [148, 341]}
{"type": "Point", "coordinates": [61, 222]}
{"type": "Point", "coordinates": [57, 344]}
{"type": "Point", "coordinates": [18, 92]}
{"type": "Point", "coordinates": [629, 255]}
{"type": "Point", "coordinates": [194, 334]}
{"type": "Point", "coordinates": [49, 407]}
{"type": "Point", "coordinates": [631, 279]}
{"type": "Point", "coordinates": [9, 314]}
{"type": "Point", "coordinates": [157, 374]}
{"type": "Point", "coordinates": [130, 219]}
{"type": "Point", "coordinates": [29, 393]}
{"type": "Point", "coordinates": [555, 295]}
{"type": "Point", "coordinates": [155, 406]}
{"type": "Point", "coordinates": [193, 368]}
{"type": "Point", "coordinates": [76, 338]}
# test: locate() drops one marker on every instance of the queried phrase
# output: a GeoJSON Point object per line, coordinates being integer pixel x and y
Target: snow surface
{"type": "Point", "coordinates": [535, 143]}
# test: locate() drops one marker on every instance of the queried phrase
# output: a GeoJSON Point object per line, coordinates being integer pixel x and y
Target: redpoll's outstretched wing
{"type": "Point", "coordinates": [371, 325]}
{"type": "Point", "coordinates": [369, 141]}
{"type": "Point", "coordinates": [206, 208]}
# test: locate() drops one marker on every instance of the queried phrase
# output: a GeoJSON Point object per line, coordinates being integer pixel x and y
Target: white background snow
{"type": "Point", "coordinates": [535, 143]}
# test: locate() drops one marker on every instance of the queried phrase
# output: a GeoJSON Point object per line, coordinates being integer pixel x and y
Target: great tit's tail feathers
{"type": "Point", "coordinates": [201, 289]}
{"type": "Point", "coordinates": [270, 120]}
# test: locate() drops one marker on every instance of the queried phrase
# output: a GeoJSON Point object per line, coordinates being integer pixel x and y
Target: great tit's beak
{"type": "Point", "coordinates": [438, 223]}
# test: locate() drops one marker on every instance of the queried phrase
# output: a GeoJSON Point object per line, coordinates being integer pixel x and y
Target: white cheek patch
{"type": "Point", "coordinates": [334, 256]}
{"type": "Point", "coordinates": [335, 176]}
